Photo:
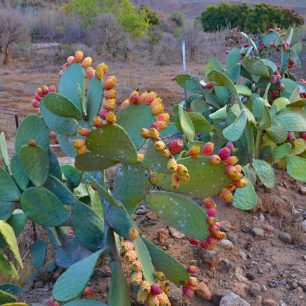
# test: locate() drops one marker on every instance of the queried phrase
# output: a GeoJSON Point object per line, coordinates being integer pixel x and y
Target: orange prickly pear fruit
{"type": "Point", "coordinates": [242, 183]}
{"type": "Point", "coordinates": [232, 160]}
{"type": "Point", "coordinates": [32, 143]}
{"type": "Point", "coordinates": [134, 97]}
{"type": "Point", "coordinates": [83, 131]}
{"type": "Point", "coordinates": [157, 109]}
{"type": "Point", "coordinates": [194, 151]}
{"type": "Point", "coordinates": [231, 171]}
{"type": "Point", "coordinates": [208, 149]}
{"type": "Point", "coordinates": [161, 125]}
{"type": "Point", "coordinates": [172, 165]}
{"type": "Point", "coordinates": [147, 97]}
{"type": "Point", "coordinates": [209, 203]}
{"type": "Point", "coordinates": [155, 102]}
{"type": "Point", "coordinates": [97, 122]}
{"type": "Point", "coordinates": [109, 104]}
{"type": "Point", "coordinates": [110, 82]}
{"type": "Point", "coordinates": [159, 146]}
{"type": "Point", "coordinates": [78, 56]}
{"type": "Point", "coordinates": [87, 61]}
{"type": "Point", "coordinates": [81, 150]}
{"type": "Point", "coordinates": [163, 117]}
{"type": "Point", "coordinates": [133, 234]}
{"type": "Point", "coordinates": [125, 104]}
{"type": "Point", "coordinates": [237, 177]}
{"type": "Point", "coordinates": [110, 94]}
{"type": "Point", "coordinates": [78, 143]}
{"type": "Point", "coordinates": [219, 235]}
{"type": "Point", "coordinates": [231, 187]}
{"type": "Point", "coordinates": [154, 134]}
{"type": "Point", "coordinates": [90, 73]}
{"type": "Point", "coordinates": [215, 160]}
{"type": "Point", "coordinates": [226, 196]}
{"type": "Point", "coordinates": [211, 220]}
{"type": "Point", "coordinates": [181, 170]}
{"type": "Point", "coordinates": [110, 118]}
{"type": "Point", "coordinates": [145, 133]}
{"type": "Point", "coordinates": [70, 60]}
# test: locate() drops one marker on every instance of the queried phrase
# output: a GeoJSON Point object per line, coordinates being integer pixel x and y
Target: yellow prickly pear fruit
{"type": "Point", "coordinates": [109, 104]}
{"type": "Point", "coordinates": [163, 117]}
{"type": "Point", "coordinates": [237, 177]}
{"type": "Point", "coordinates": [226, 196]}
{"type": "Point", "coordinates": [127, 246]}
{"type": "Point", "coordinates": [125, 104]}
{"type": "Point", "coordinates": [97, 122]}
{"type": "Point", "coordinates": [81, 150]}
{"type": "Point", "coordinates": [136, 266]}
{"type": "Point", "coordinates": [163, 299]}
{"type": "Point", "coordinates": [142, 296]}
{"type": "Point", "coordinates": [175, 181]}
{"type": "Point", "coordinates": [78, 143]}
{"type": "Point", "coordinates": [159, 146]}
{"type": "Point", "coordinates": [242, 183]}
{"type": "Point", "coordinates": [158, 109]}
{"type": "Point", "coordinates": [181, 170]}
{"type": "Point", "coordinates": [110, 82]}
{"type": "Point", "coordinates": [78, 56]}
{"type": "Point", "coordinates": [155, 102]}
{"type": "Point", "coordinates": [154, 134]}
{"type": "Point", "coordinates": [194, 151]}
{"type": "Point", "coordinates": [159, 276]}
{"type": "Point", "coordinates": [215, 160]}
{"type": "Point", "coordinates": [131, 255]}
{"type": "Point", "coordinates": [165, 285]}
{"type": "Point", "coordinates": [140, 157]}
{"type": "Point", "coordinates": [185, 177]}
{"type": "Point", "coordinates": [153, 300]}
{"type": "Point", "coordinates": [110, 118]}
{"type": "Point", "coordinates": [161, 125]}
{"type": "Point", "coordinates": [136, 278]}
{"type": "Point", "coordinates": [219, 235]}
{"type": "Point", "coordinates": [145, 285]}
{"type": "Point", "coordinates": [133, 234]}
{"type": "Point", "coordinates": [100, 71]}
{"type": "Point", "coordinates": [87, 61]}
{"type": "Point", "coordinates": [166, 153]}
{"type": "Point", "coordinates": [145, 133]}
{"type": "Point", "coordinates": [110, 94]}
{"type": "Point", "coordinates": [172, 165]}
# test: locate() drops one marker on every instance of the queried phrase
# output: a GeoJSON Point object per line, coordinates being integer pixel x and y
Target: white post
{"type": "Point", "coordinates": [184, 69]}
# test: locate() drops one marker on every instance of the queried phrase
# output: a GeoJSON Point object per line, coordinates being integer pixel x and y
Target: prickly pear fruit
{"type": "Point", "coordinates": [140, 156]}
{"type": "Point", "coordinates": [172, 165]}
{"type": "Point", "coordinates": [231, 171]}
{"type": "Point", "coordinates": [70, 60]}
{"type": "Point", "coordinates": [219, 235]}
{"type": "Point", "coordinates": [194, 151]}
{"type": "Point", "coordinates": [237, 177]}
{"type": "Point", "coordinates": [45, 90]}
{"type": "Point", "coordinates": [158, 109]}
{"type": "Point", "coordinates": [127, 246]}
{"type": "Point", "coordinates": [154, 134]}
{"type": "Point", "coordinates": [155, 289]}
{"type": "Point", "coordinates": [145, 133]}
{"type": "Point", "coordinates": [88, 291]}
{"type": "Point", "coordinates": [291, 136]}
{"type": "Point", "coordinates": [134, 97]}
{"type": "Point", "coordinates": [142, 296]}
{"type": "Point", "coordinates": [78, 56]}
{"type": "Point", "coordinates": [125, 104]}
{"type": "Point", "coordinates": [153, 300]}
{"type": "Point", "coordinates": [211, 212]}
{"type": "Point", "coordinates": [192, 283]}
{"type": "Point", "coordinates": [87, 61]}
{"type": "Point", "coordinates": [161, 125]}
{"type": "Point", "coordinates": [242, 183]}
{"type": "Point", "coordinates": [159, 146]}
{"type": "Point", "coordinates": [231, 160]}
{"type": "Point", "coordinates": [83, 131]}
{"type": "Point", "coordinates": [136, 266]}
{"type": "Point", "coordinates": [163, 117]}
{"type": "Point", "coordinates": [103, 113]}
{"type": "Point", "coordinates": [131, 256]}
{"type": "Point", "coordinates": [159, 276]}
{"type": "Point", "coordinates": [230, 145]}
{"type": "Point", "coordinates": [188, 292]}
{"type": "Point", "coordinates": [110, 94]}
{"type": "Point", "coordinates": [226, 196]}
{"type": "Point", "coordinates": [208, 149]}
{"type": "Point", "coordinates": [303, 135]}
{"type": "Point", "coordinates": [145, 285]}
{"type": "Point", "coordinates": [90, 73]}
{"type": "Point", "coordinates": [175, 181]}
{"type": "Point", "coordinates": [224, 153]}
{"type": "Point", "coordinates": [166, 153]}
{"type": "Point", "coordinates": [209, 203]}
{"type": "Point", "coordinates": [109, 105]}
{"type": "Point", "coordinates": [97, 122]}
{"type": "Point", "coordinates": [35, 103]}
{"type": "Point", "coordinates": [32, 143]}
{"type": "Point", "coordinates": [81, 150]}
{"type": "Point", "coordinates": [101, 70]}
{"type": "Point", "coordinates": [78, 143]}
{"type": "Point", "coordinates": [163, 299]}
{"type": "Point", "coordinates": [176, 146]}
{"type": "Point", "coordinates": [193, 269]}
{"type": "Point", "coordinates": [110, 82]}
{"type": "Point", "coordinates": [110, 118]}
{"type": "Point", "coordinates": [181, 170]}
{"type": "Point", "coordinates": [194, 241]}
{"type": "Point", "coordinates": [215, 160]}
{"type": "Point", "coordinates": [133, 234]}
{"type": "Point", "coordinates": [211, 220]}
{"type": "Point", "coordinates": [148, 97]}
{"type": "Point", "coordinates": [52, 88]}
{"type": "Point", "coordinates": [136, 278]}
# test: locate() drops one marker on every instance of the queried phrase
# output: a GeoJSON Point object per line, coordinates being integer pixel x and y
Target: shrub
{"type": "Point", "coordinates": [253, 19]}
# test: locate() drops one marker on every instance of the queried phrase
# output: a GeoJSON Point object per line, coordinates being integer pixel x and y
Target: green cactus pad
{"type": "Point", "coordinates": [162, 261]}
{"type": "Point", "coordinates": [292, 121]}
{"type": "Point", "coordinates": [72, 175]}
{"type": "Point", "coordinates": [119, 221]}
{"type": "Point", "coordinates": [55, 169]}
{"type": "Point", "coordinates": [10, 288]}
{"type": "Point", "coordinates": [180, 212]}
{"type": "Point", "coordinates": [94, 98]}
{"type": "Point", "coordinates": [17, 221]}
{"type": "Point", "coordinates": [8, 189]}
{"type": "Point", "coordinates": [233, 64]}
{"type": "Point", "coordinates": [36, 164]}
{"type": "Point", "coordinates": [73, 281]}
{"type": "Point", "coordinates": [32, 127]}
{"type": "Point", "coordinates": [112, 143]}
{"type": "Point", "coordinates": [92, 238]}
{"type": "Point", "coordinates": [265, 172]}
{"type": "Point", "coordinates": [7, 269]}
{"type": "Point", "coordinates": [7, 233]}
{"type": "Point", "coordinates": [93, 162]}
{"type": "Point", "coordinates": [72, 83]}
{"type": "Point", "coordinates": [43, 207]}
{"type": "Point", "coordinates": [6, 297]}
{"type": "Point", "coordinates": [254, 65]}
{"type": "Point", "coordinates": [245, 198]}
{"type": "Point", "coordinates": [60, 125]}
{"type": "Point", "coordinates": [60, 190]}
{"type": "Point", "coordinates": [61, 106]}
{"type": "Point", "coordinates": [281, 151]}
{"type": "Point", "coordinates": [206, 180]}
{"type": "Point", "coordinates": [154, 160]}
{"type": "Point", "coordinates": [95, 201]}
{"type": "Point", "coordinates": [296, 168]}
{"type": "Point", "coordinates": [38, 254]}
{"type": "Point", "coordinates": [234, 131]}
{"type": "Point", "coordinates": [15, 304]}
{"type": "Point", "coordinates": [86, 302]}
{"type": "Point", "coordinates": [133, 119]}
{"type": "Point", "coordinates": [119, 293]}
{"type": "Point", "coordinates": [6, 209]}
{"type": "Point", "coordinates": [186, 124]}
{"type": "Point", "coordinates": [131, 185]}
{"type": "Point", "coordinates": [19, 173]}
{"type": "Point", "coordinates": [4, 156]}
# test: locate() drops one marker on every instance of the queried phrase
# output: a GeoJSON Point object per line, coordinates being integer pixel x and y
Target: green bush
{"type": "Point", "coordinates": [252, 19]}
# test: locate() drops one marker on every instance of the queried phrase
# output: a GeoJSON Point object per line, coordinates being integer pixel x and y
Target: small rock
{"type": "Point", "coordinates": [269, 302]}
{"type": "Point", "coordinates": [163, 236]}
{"type": "Point", "coordinates": [294, 285]}
{"type": "Point", "coordinates": [241, 288]}
{"type": "Point", "coordinates": [280, 188]}
{"type": "Point", "coordinates": [264, 288]}
{"type": "Point", "coordinates": [285, 237]}
{"type": "Point", "coordinates": [232, 237]}
{"type": "Point", "coordinates": [210, 257]}
{"type": "Point", "coordinates": [151, 215]}
{"type": "Point", "coordinates": [175, 295]}
{"type": "Point", "coordinates": [255, 289]}
{"type": "Point", "coordinates": [225, 266]}
{"type": "Point", "coordinates": [304, 257]}
{"type": "Point", "coordinates": [304, 225]}
{"type": "Point", "coordinates": [242, 255]}
{"type": "Point", "coordinates": [232, 299]}
{"type": "Point", "coordinates": [250, 276]}
{"type": "Point", "coordinates": [258, 232]}
{"type": "Point", "coordinates": [175, 233]}
{"type": "Point", "coordinates": [218, 295]}
{"type": "Point", "coordinates": [260, 270]}
{"type": "Point", "coordinates": [282, 303]}
{"type": "Point", "coordinates": [268, 228]}
{"type": "Point", "coordinates": [302, 284]}
{"type": "Point", "coordinates": [226, 226]}
{"type": "Point", "coordinates": [261, 217]}
{"type": "Point", "coordinates": [273, 283]}
{"type": "Point", "coordinates": [302, 190]}
{"type": "Point", "coordinates": [204, 292]}
{"type": "Point", "coordinates": [142, 210]}
{"type": "Point", "coordinates": [226, 244]}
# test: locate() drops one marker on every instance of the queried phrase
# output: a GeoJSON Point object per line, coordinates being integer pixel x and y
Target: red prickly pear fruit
{"type": "Point", "coordinates": [188, 292]}
{"type": "Point", "coordinates": [263, 46]}
{"type": "Point", "coordinates": [211, 212]}
{"type": "Point", "coordinates": [163, 117]}
{"type": "Point", "coordinates": [209, 203]}
{"type": "Point", "coordinates": [231, 160]}
{"type": "Point", "coordinates": [303, 135]}
{"type": "Point", "coordinates": [270, 30]}
{"type": "Point", "coordinates": [211, 240]}
{"type": "Point", "coordinates": [70, 60]}
{"type": "Point", "coordinates": [103, 113]}
{"type": "Point", "coordinates": [291, 61]}
{"type": "Point", "coordinates": [32, 143]}
{"type": "Point", "coordinates": [192, 283]}
{"type": "Point", "coordinates": [145, 133]}
{"type": "Point", "coordinates": [83, 131]}
{"type": "Point", "coordinates": [90, 73]}
{"type": "Point", "coordinates": [110, 82]}
{"type": "Point", "coordinates": [215, 160]}
{"type": "Point", "coordinates": [212, 228]}
{"type": "Point", "coordinates": [133, 234]}
{"type": "Point", "coordinates": [211, 220]}
{"type": "Point", "coordinates": [45, 90]}
{"type": "Point", "coordinates": [209, 85]}
{"type": "Point", "coordinates": [134, 97]}
{"type": "Point", "coordinates": [275, 93]}
{"type": "Point", "coordinates": [224, 153]}
{"type": "Point", "coordinates": [204, 244]}
{"type": "Point", "coordinates": [110, 94]}
{"type": "Point", "coordinates": [88, 291]}
{"type": "Point", "coordinates": [110, 118]}
{"type": "Point", "coordinates": [156, 289]}
{"type": "Point", "coordinates": [291, 136]}
{"type": "Point", "coordinates": [87, 61]}
{"type": "Point", "coordinates": [226, 196]}
{"type": "Point", "coordinates": [97, 122]}
{"type": "Point", "coordinates": [194, 151]}
{"type": "Point", "coordinates": [193, 269]}
{"type": "Point", "coordinates": [194, 241]}
{"type": "Point", "coordinates": [38, 97]}
{"type": "Point", "coordinates": [231, 146]}
{"type": "Point", "coordinates": [176, 146]}
{"type": "Point", "coordinates": [52, 88]}
{"type": "Point", "coordinates": [78, 56]}
{"type": "Point", "coordinates": [35, 104]}
{"type": "Point", "coordinates": [208, 149]}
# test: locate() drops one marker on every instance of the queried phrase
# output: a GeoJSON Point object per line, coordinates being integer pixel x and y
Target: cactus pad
{"type": "Point", "coordinates": [85, 302]}
{"type": "Point", "coordinates": [19, 173]}
{"type": "Point", "coordinates": [94, 98]}
{"type": "Point", "coordinates": [7, 269]}
{"type": "Point", "coordinates": [38, 255]}
{"type": "Point", "coordinates": [8, 189]}
{"type": "Point", "coordinates": [6, 297]}
{"type": "Point", "coordinates": [6, 209]}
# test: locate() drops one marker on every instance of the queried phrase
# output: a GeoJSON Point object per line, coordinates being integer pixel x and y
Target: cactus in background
{"type": "Point", "coordinates": [83, 218]}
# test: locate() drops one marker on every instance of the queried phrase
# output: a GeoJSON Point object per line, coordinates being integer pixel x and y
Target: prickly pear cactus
{"type": "Point", "coordinates": [85, 216]}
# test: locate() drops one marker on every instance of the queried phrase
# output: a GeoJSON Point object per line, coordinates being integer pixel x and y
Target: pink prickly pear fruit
{"type": "Point", "coordinates": [211, 240]}
{"type": "Point", "coordinates": [88, 291]}
{"type": "Point", "coordinates": [45, 90]}
{"type": "Point", "coordinates": [103, 113]}
{"type": "Point", "coordinates": [270, 30]}
{"type": "Point", "coordinates": [231, 146]}
{"type": "Point", "coordinates": [224, 153]}
{"type": "Point", "coordinates": [52, 88]}
{"type": "Point", "coordinates": [188, 292]}
{"type": "Point", "coordinates": [70, 60]}
{"type": "Point", "coordinates": [209, 85]}
{"type": "Point", "coordinates": [212, 228]}
{"type": "Point", "coordinates": [303, 135]}
{"type": "Point", "coordinates": [274, 80]}
{"type": "Point", "coordinates": [193, 269]}
{"type": "Point", "coordinates": [211, 212]}
{"type": "Point", "coordinates": [218, 225]}
{"type": "Point", "coordinates": [291, 136]}
{"type": "Point", "coordinates": [156, 289]}
{"type": "Point", "coordinates": [176, 146]}
{"type": "Point", "coordinates": [39, 91]}
{"type": "Point", "coordinates": [208, 149]}
{"type": "Point", "coordinates": [134, 97]}
{"type": "Point", "coordinates": [38, 97]}
{"type": "Point", "coordinates": [90, 73]}
{"type": "Point", "coordinates": [209, 203]}
{"type": "Point", "coordinates": [281, 86]}
{"type": "Point", "coordinates": [286, 46]}
{"type": "Point", "coordinates": [215, 160]}
{"type": "Point", "coordinates": [35, 104]}
{"type": "Point", "coordinates": [65, 66]}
